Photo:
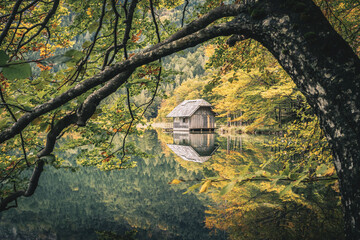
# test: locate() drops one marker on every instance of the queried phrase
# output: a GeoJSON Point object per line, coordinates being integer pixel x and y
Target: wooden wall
{"type": "Point", "coordinates": [203, 118]}
{"type": "Point", "coordinates": [181, 123]}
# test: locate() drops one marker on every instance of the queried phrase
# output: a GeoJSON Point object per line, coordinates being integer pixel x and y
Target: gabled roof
{"type": "Point", "coordinates": [188, 108]}
{"type": "Point", "coordinates": [188, 153]}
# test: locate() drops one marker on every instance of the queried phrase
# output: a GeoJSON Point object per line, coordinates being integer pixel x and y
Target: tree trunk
{"type": "Point", "coordinates": [240, 119]}
{"type": "Point", "coordinates": [228, 120]}
{"type": "Point", "coordinates": [280, 126]}
{"type": "Point", "coordinates": [228, 141]}
{"type": "Point", "coordinates": [327, 72]}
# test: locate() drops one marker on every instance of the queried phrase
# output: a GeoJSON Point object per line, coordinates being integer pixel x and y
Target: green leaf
{"type": "Point", "coordinates": [3, 123]}
{"type": "Point", "coordinates": [285, 190]}
{"type": "Point", "coordinates": [48, 159]}
{"type": "Point", "coordinates": [294, 176]}
{"type": "Point", "coordinates": [43, 126]}
{"type": "Point", "coordinates": [3, 57]}
{"type": "Point", "coordinates": [71, 63]}
{"type": "Point", "coordinates": [93, 27]}
{"type": "Point", "coordinates": [17, 71]}
{"type": "Point", "coordinates": [57, 59]}
{"type": "Point", "coordinates": [74, 54]}
{"type": "Point", "coordinates": [321, 169]}
{"type": "Point", "coordinates": [37, 121]}
{"type": "Point", "coordinates": [86, 44]}
{"type": "Point", "coordinates": [227, 188]}
{"type": "Point", "coordinates": [193, 187]}
{"type": "Point", "coordinates": [299, 180]}
{"type": "Point", "coordinates": [286, 171]}
{"type": "Point", "coordinates": [291, 185]}
{"type": "Point", "coordinates": [41, 94]}
{"type": "Point", "coordinates": [45, 74]}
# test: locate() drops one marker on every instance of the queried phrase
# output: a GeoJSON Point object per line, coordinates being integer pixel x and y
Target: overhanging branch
{"type": "Point", "coordinates": [137, 60]}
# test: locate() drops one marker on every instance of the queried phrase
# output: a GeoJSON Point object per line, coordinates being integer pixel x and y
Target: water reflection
{"type": "Point", "coordinates": [89, 203]}
{"type": "Point", "coordinates": [195, 147]}
{"type": "Point", "coordinates": [261, 208]}
{"type": "Point", "coordinates": [140, 204]}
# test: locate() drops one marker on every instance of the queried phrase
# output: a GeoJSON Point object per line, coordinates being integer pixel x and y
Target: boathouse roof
{"type": "Point", "coordinates": [188, 153]}
{"type": "Point", "coordinates": [188, 107]}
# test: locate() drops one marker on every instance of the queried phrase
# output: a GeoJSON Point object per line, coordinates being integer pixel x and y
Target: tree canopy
{"type": "Point", "coordinates": [75, 67]}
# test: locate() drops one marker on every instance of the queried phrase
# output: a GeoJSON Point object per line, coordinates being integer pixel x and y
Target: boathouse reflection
{"type": "Point", "coordinates": [195, 147]}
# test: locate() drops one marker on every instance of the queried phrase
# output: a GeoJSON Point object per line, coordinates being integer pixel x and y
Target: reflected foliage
{"type": "Point", "coordinates": [257, 208]}
{"type": "Point", "coordinates": [264, 210]}
{"type": "Point", "coordinates": [252, 212]}
{"type": "Point", "coordinates": [79, 204]}
{"type": "Point", "coordinates": [140, 204]}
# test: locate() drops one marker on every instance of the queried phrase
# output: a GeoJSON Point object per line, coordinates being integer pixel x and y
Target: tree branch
{"type": "Point", "coordinates": [154, 20]}
{"type": "Point", "coordinates": [204, 21]}
{"type": "Point", "coordinates": [50, 144]}
{"type": "Point", "coordinates": [166, 48]}
{"type": "Point", "coordinates": [117, 16]}
{"type": "Point", "coordinates": [10, 20]}
{"type": "Point", "coordinates": [22, 10]}
{"type": "Point", "coordinates": [16, 29]}
{"type": "Point", "coordinates": [130, 124]}
{"type": "Point", "coordinates": [88, 108]}
{"type": "Point", "coordinates": [183, 13]}
{"type": "Point", "coordinates": [42, 26]}
{"type": "Point", "coordinates": [129, 18]}
{"type": "Point", "coordinates": [158, 77]}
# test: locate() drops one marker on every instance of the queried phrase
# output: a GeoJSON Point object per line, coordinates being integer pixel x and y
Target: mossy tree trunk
{"type": "Point", "coordinates": [327, 72]}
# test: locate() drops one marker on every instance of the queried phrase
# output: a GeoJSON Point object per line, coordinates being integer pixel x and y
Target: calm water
{"type": "Point", "coordinates": [140, 204]}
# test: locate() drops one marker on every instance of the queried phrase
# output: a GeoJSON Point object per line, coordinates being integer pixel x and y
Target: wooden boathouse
{"type": "Point", "coordinates": [193, 115]}
{"type": "Point", "coordinates": [195, 147]}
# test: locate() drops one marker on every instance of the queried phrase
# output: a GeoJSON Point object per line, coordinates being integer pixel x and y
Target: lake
{"type": "Point", "coordinates": [139, 203]}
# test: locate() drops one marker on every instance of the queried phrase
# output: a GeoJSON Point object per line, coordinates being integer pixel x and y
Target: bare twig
{"type": "Point", "coordinates": [117, 16]}
{"type": "Point", "coordinates": [129, 18]}
{"type": "Point", "coordinates": [41, 25]}
{"type": "Point", "coordinates": [75, 76]}
{"type": "Point", "coordinates": [10, 20]}
{"type": "Point", "coordinates": [158, 77]}
{"type": "Point", "coordinates": [15, 119]}
{"type": "Point", "coordinates": [113, 5]}
{"type": "Point", "coordinates": [124, 6]}
{"type": "Point", "coordinates": [22, 10]}
{"type": "Point", "coordinates": [183, 13]}
{"type": "Point", "coordinates": [14, 106]}
{"type": "Point", "coordinates": [154, 20]}
{"type": "Point", "coordinates": [107, 53]}
{"type": "Point", "coordinates": [16, 29]}
{"type": "Point", "coordinates": [131, 122]}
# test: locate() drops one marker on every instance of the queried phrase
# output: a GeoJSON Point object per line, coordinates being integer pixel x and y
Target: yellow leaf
{"type": "Point", "coordinates": [175, 181]}
{"type": "Point", "coordinates": [205, 186]}
{"type": "Point", "coordinates": [89, 12]}
{"type": "Point", "coordinates": [330, 171]}
{"type": "Point", "coordinates": [48, 128]}
{"type": "Point", "coordinates": [209, 50]}
{"type": "Point", "coordinates": [94, 116]}
{"type": "Point", "coordinates": [37, 121]}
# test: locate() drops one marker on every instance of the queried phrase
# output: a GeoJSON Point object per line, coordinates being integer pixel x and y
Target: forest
{"type": "Point", "coordinates": [87, 75]}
